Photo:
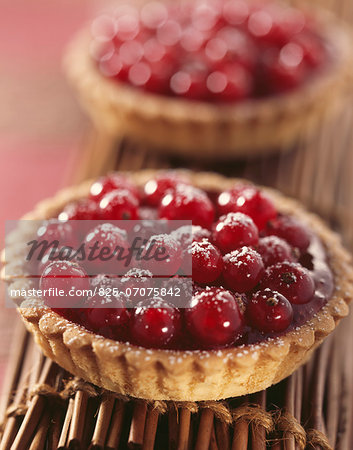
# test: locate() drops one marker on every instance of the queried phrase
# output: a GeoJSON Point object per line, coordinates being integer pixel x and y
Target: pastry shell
{"type": "Point", "coordinates": [204, 129]}
{"type": "Point", "coordinates": [173, 374]}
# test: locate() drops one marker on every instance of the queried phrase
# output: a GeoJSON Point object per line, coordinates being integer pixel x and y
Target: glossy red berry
{"type": "Point", "coordinates": [236, 13]}
{"type": "Point", "coordinates": [190, 81]}
{"type": "Point", "coordinates": [57, 231]}
{"type": "Point", "coordinates": [234, 230]}
{"type": "Point", "coordinates": [104, 185]}
{"type": "Point", "coordinates": [214, 318]}
{"type": "Point", "coordinates": [284, 70]}
{"type": "Point", "coordinates": [291, 280]}
{"type": "Point", "coordinates": [187, 203]}
{"type": "Point", "coordinates": [136, 284]}
{"type": "Point", "coordinates": [106, 250]}
{"type": "Point", "coordinates": [155, 324]}
{"type": "Point", "coordinates": [104, 283]}
{"type": "Point", "coordinates": [291, 230]}
{"type": "Point", "coordinates": [243, 269]}
{"type": "Point", "coordinates": [151, 76]}
{"type": "Point", "coordinates": [240, 50]}
{"type": "Point", "coordinates": [274, 250]}
{"type": "Point", "coordinates": [107, 315]}
{"type": "Point", "coordinates": [186, 234]}
{"type": "Point", "coordinates": [145, 228]}
{"type": "Point", "coordinates": [84, 209]}
{"type": "Point", "coordinates": [229, 83]}
{"type": "Point", "coordinates": [313, 49]}
{"type": "Point", "coordinates": [156, 188]}
{"type": "Point", "coordinates": [269, 311]}
{"type": "Point", "coordinates": [207, 262]}
{"type": "Point", "coordinates": [63, 284]}
{"type": "Point", "coordinates": [161, 255]}
{"type": "Point", "coordinates": [57, 254]}
{"type": "Point", "coordinates": [119, 204]}
{"type": "Point", "coordinates": [250, 201]}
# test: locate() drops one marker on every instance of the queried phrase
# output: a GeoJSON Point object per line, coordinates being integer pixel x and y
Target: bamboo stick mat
{"type": "Point", "coordinates": [310, 408]}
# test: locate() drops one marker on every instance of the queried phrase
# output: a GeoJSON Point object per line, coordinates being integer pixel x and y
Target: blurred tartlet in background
{"type": "Point", "coordinates": [211, 78]}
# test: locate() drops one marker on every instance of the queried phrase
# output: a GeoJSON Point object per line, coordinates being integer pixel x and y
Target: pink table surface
{"type": "Point", "coordinates": [41, 127]}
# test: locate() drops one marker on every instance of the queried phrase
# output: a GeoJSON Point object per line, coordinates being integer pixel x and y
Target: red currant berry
{"type": "Point", "coordinates": [274, 250]}
{"type": "Point", "coordinates": [243, 269]}
{"type": "Point", "coordinates": [153, 15]}
{"type": "Point", "coordinates": [104, 185]}
{"type": "Point", "coordinates": [161, 255]}
{"type": "Point", "coordinates": [112, 66]}
{"type": "Point", "coordinates": [155, 324]}
{"type": "Point", "coordinates": [127, 22]}
{"type": "Point", "coordinates": [84, 209]}
{"type": "Point", "coordinates": [103, 283]}
{"type": "Point", "coordinates": [189, 82]}
{"type": "Point", "coordinates": [187, 234]}
{"type": "Point", "coordinates": [144, 229]}
{"type": "Point", "coordinates": [230, 83]}
{"type": "Point", "coordinates": [284, 70]}
{"type": "Point", "coordinates": [207, 263]}
{"type": "Point", "coordinates": [291, 230]}
{"type": "Point", "coordinates": [107, 315]}
{"type": "Point", "coordinates": [187, 203]}
{"type": "Point", "coordinates": [193, 40]}
{"type": "Point", "coordinates": [106, 248]}
{"type": "Point", "coordinates": [151, 76]}
{"type": "Point", "coordinates": [269, 311]}
{"type": "Point", "coordinates": [205, 16]}
{"type": "Point", "coordinates": [119, 204]}
{"type": "Point", "coordinates": [214, 319]}
{"type": "Point", "coordinates": [250, 201]}
{"type": "Point", "coordinates": [313, 48]}
{"type": "Point", "coordinates": [291, 280]}
{"type": "Point", "coordinates": [156, 188]}
{"type": "Point", "coordinates": [240, 50]}
{"type": "Point", "coordinates": [61, 279]}
{"type": "Point", "coordinates": [183, 286]}
{"type": "Point", "coordinates": [135, 283]}
{"type": "Point", "coordinates": [234, 230]}
{"type": "Point", "coordinates": [53, 230]}
{"type": "Point", "coordinates": [57, 254]}
{"type": "Point", "coordinates": [235, 13]}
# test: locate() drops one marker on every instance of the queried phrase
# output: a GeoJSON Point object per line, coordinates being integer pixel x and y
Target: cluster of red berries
{"type": "Point", "coordinates": [220, 51]}
{"type": "Point", "coordinates": [246, 269]}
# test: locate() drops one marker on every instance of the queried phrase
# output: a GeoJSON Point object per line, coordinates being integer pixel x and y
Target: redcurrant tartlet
{"type": "Point", "coordinates": [211, 77]}
{"type": "Point", "coordinates": [269, 282]}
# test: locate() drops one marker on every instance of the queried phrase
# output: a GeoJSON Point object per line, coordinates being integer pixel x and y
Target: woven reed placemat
{"type": "Point", "coordinates": [46, 408]}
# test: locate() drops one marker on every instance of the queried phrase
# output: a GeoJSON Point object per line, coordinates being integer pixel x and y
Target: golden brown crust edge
{"type": "Point", "coordinates": [180, 375]}
{"type": "Point", "coordinates": [201, 129]}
